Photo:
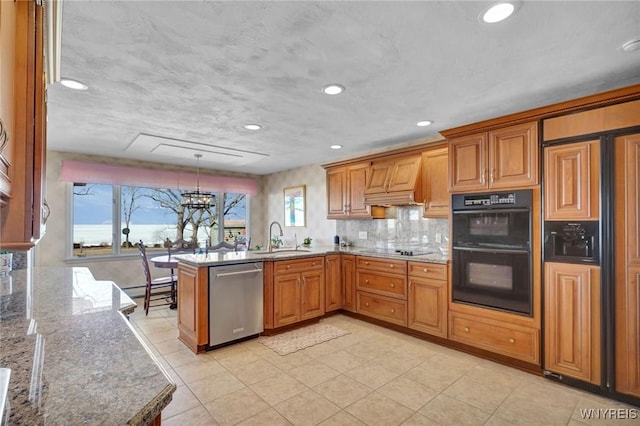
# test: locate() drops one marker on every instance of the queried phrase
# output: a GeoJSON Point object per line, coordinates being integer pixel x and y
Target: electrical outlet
{"type": "Point", "coordinates": [438, 237]}
{"type": "Point", "coordinates": [362, 235]}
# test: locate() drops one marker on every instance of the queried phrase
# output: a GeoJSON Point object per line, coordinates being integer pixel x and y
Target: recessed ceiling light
{"type": "Point", "coordinates": [252, 126]}
{"type": "Point", "coordinates": [631, 45]}
{"type": "Point", "coordinates": [332, 89]}
{"type": "Point", "coordinates": [498, 12]}
{"type": "Point", "coordinates": [73, 84]}
{"type": "Point", "coordinates": [336, 146]}
{"type": "Point", "coordinates": [424, 123]}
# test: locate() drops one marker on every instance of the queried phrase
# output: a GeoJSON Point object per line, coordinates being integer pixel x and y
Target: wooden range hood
{"type": "Point", "coordinates": [394, 182]}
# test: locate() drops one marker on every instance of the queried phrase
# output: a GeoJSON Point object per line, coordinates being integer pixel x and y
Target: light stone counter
{"type": "Point", "coordinates": [226, 258]}
{"type": "Point", "coordinates": [75, 359]}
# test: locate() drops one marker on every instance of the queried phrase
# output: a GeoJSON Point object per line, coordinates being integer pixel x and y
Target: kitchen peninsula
{"type": "Point", "coordinates": [74, 357]}
{"type": "Point", "coordinates": [306, 284]}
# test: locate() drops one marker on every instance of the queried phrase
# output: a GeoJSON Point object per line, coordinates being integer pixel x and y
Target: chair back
{"type": "Point", "coordinates": [223, 246]}
{"type": "Point", "coordinates": [180, 246]}
{"type": "Point", "coordinates": [145, 261]}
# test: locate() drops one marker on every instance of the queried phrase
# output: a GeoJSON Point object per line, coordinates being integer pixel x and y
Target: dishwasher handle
{"type": "Point", "coordinates": [228, 274]}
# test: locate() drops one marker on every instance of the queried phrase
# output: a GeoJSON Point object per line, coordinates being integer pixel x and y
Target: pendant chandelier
{"type": "Point", "coordinates": [197, 199]}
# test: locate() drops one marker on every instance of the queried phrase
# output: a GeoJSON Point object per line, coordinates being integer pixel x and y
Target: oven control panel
{"type": "Point", "coordinates": [490, 199]}
{"type": "Point", "coordinates": [511, 199]}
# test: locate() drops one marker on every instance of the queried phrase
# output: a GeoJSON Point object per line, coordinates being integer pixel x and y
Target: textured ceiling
{"type": "Point", "coordinates": [168, 79]}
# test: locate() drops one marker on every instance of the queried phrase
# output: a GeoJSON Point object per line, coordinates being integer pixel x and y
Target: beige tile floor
{"type": "Point", "coordinates": [372, 376]}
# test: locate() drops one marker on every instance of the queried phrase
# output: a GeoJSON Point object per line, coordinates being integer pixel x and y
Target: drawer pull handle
{"type": "Point", "coordinates": [288, 266]}
{"type": "Point", "coordinates": [425, 270]}
{"type": "Point", "coordinates": [366, 263]}
{"type": "Point", "coordinates": [512, 340]}
{"type": "Point", "coordinates": [392, 285]}
{"type": "Point", "coordinates": [366, 304]}
{"type": "Point", "coordinates": [466, 329]}
{"type": "Point", "coordinates": [366, 281]}
{"type": "Point", "coordinates": [393, 311]}
{"type": "Point", "coordinates": [391, 266]}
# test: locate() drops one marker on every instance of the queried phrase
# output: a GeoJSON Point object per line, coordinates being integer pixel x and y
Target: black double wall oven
{"type": "Point", "coordinates": [491, 250]}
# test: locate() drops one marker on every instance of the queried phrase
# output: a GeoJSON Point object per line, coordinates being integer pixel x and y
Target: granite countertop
{"type": "Point", "coordinates": [226, 258]}
{"type": "Point", "coordinates": [73, 355]}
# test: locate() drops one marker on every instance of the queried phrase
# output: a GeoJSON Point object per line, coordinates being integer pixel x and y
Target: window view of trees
{"type": "Point", "coordinates": [109, 220]}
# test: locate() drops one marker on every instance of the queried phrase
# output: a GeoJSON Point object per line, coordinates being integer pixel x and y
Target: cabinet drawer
{"type": "Point", "coordinates": [383, 308]}
{"type": "Point", "coordinates": [386, 284]}
{"type": "Point", "coordinates": [496, 336]}
{"type": "Point", "coordinates": [382, 265]}
{"type": "Point", "coordinates": [298, 265]}
{"type": "Point", "coordinates": [428, 270]}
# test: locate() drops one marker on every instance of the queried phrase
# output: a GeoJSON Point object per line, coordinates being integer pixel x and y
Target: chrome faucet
{"type": "Point", "coordinates": [270, 244]}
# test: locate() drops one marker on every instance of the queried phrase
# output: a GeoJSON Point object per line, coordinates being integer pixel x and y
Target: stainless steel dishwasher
{"type": "Point", "coordinates": [235, 303]}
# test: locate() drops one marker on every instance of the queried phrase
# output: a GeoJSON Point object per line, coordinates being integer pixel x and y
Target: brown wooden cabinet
{"type": "Point", "coordinates": [298, 290]}
{"type": "Point", "coordinates": [435, 176]}
{"type": "Point", "coordinates": [381, 289]}
{"type": "Point", "coordinates": [345, 192]}
{"type": "Point", "coordinates": [427, 299]}
{"type": "Point", "coordinates": [512, 340]}
{"type": "Point", "coordinates": [572, 320]}
{"type": "Point", "coordinates": [349, 282]}
{"type": "Point", "coordinates": [23, 115]}
{"type": "Point", "coordinates": [333, 286]}
{"type": "Point", "coordinates": [395, 175]}
{"type": "Point", "coordinates": [504, 158]}
{"type": "Point", "coordinates": [193, 306]}
{"type": "Point", "coordinates": [571, 181]}
{"type": "Point", "coordinates": [627, 264]}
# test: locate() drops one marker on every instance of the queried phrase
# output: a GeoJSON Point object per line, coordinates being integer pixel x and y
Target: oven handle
{"type": "Point", "coordinates": [493, 250]}
{"type": "Point", "coordinates": [492, 210]}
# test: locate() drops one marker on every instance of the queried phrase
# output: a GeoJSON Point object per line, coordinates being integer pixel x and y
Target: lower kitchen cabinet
{"type": "Point", "coordinates": [381, 289]}
{"type": "Point", "coordinates": [193, 306]}
{"type": "Point", "coordinates": [333, 286]}
{"type": "Point", "coordinates": [298, 290]}
{"type": "Point", "coordinates": [349, 282]}
{"type": "Point", "coordinates": [427, 299]}
{"type": "Point", "coordinates": [382, 307]}
{"type": "Point", "coordinates": [572, 321]}
{"type": "Point", "coordinates": [512, 340]}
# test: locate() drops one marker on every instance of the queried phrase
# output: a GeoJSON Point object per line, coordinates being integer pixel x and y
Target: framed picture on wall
{"type": "Point", "coordinates": [294, 206]}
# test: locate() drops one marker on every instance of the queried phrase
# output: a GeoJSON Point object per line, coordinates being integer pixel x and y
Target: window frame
{"type": "Point", "coordinates": [116, 235]}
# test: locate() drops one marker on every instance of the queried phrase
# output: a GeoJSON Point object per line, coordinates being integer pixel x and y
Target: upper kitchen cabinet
{"type": "Point", "coordinates": [505, 158]}
{"type": "Point", "coordinates": [395, 175]}
{"type": "Point", "coordinates": [23, 116]}
{"type": "Point", "coordinates": [435, 168]}
{"type": "Point", "coordinates": [395, 181]}
{"type": "Point", "coordinates": [345, 192]}
{"type": "Point", "coordinates": [571, 181]}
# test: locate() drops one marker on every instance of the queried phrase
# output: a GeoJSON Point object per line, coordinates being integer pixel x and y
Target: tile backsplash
{"type": "Point", "coordinates": [403, 227]}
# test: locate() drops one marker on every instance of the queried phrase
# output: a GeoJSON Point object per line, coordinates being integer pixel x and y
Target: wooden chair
{"type": "Point", "coordinates": [223, 246]}
{"type": "Point", "coordinates": [162, 290]}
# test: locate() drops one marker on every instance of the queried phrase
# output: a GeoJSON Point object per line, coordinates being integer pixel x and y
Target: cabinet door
{"type": "Point", "coordinates": [571, 176]}
{"type": "Point", "coordinates": [378, 179]}
{"type": "Point", "coordinates": [286, 299]}
{"type": "Point", "coordinates": [513, 156]}
{"type": "Point", "coordinates": [356, 184]}
{"type": "Point", "coordinates": [333, 287]}
{"type": "Point", "coordinates": [468, 162]}
{"type": "Point", "coordinates": [312, 294]}
{"type": "Point", "coordinates": [404, 174]}
{"type": "Point", "coordinates": [428, 306]}
{"type": "Point", "coordinates": [572, 320]}
{"type": "Point", "coordinates": [435, 175]}
{"type": "Point", "coordinates": [627, 264]}
{"type": "Point", "coordinates": [193, 306]}
{"type": "Point", "coordinates": [349, 282]}
{"type": "Point", "coordinates": [336, 193]}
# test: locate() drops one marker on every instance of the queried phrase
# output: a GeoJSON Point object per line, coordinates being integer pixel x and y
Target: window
{"type": "Point", "coordinates": [110, 219]}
